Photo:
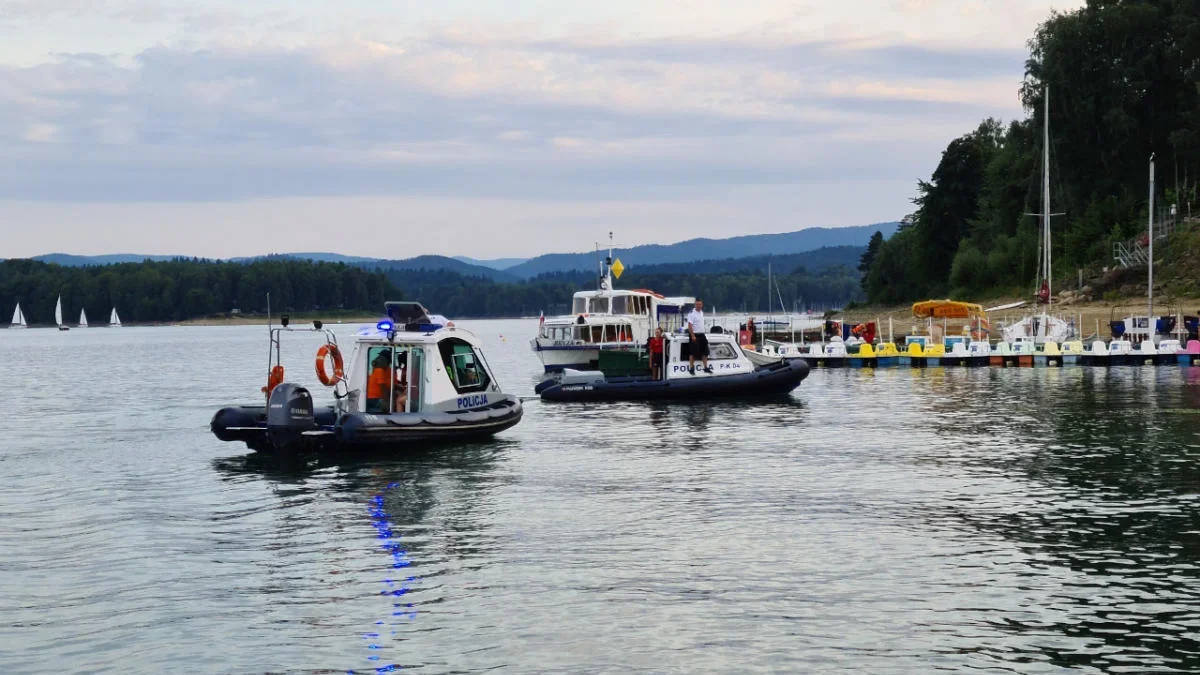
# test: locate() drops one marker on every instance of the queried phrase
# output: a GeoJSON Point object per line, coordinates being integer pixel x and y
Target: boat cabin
{"type": "Point", "coordinates": [612, 316]}
{"type": "Point", "coordinates": [412, 362]}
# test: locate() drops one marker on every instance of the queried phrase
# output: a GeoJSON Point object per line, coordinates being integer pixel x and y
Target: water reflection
{"type": "Point", "coordinates": [423, 514]}
{"type": "Point", "coordinates": [1103, 510]}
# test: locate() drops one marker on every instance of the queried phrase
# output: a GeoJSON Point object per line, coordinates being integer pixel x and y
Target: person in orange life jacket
{"type": "Point", "coordinates": [699, 340]}
{"type": "Point", "coordinates": [379, 384]}
{"type": "Point", "coordinates": [655, 347]}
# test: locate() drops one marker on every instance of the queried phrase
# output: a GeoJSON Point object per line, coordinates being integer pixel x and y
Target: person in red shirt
{"type": "Point", "coordinates": [656, 353]}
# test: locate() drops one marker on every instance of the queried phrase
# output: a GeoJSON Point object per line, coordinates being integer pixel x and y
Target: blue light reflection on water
{"type": "Point", "coordinates": [392, 588]}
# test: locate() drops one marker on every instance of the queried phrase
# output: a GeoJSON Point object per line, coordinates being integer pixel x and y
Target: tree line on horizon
{"type": "Point", "coordinates": [180, 289]}
{"type": "Point", "coordinates": [1124, 81]}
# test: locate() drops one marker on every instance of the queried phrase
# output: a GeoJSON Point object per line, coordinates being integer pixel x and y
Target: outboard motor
{"type": "Point", "coordinates": [289, 415]}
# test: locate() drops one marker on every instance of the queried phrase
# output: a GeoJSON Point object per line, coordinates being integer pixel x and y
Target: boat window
{"type": "Point", "coordinates": [610, 333]}
{"type": "Point", "coordinates": [721, 351]}
{"type": "Point", "coordinates": [464, 367]}
{"type": "Point", "coordinates": [620, 304]}
{"type": "Point", "coordinates": [600, 305]}
{"type": "Point", "coordinates": [597, 334]}
{"type": "Point", "coordinates": [416, 370]}
{"type": "Point", "coordinates": [382, 363]}
{"type": "Point", "coordinates": [579, 306]}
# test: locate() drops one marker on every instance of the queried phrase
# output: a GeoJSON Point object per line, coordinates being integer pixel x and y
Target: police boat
{"type": "Point", "coordinates": [412, 378]}
{"type": "Point", "coordinates": [625, 376]}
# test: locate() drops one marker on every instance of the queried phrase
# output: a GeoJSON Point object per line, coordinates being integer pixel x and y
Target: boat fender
{"type": "Point", "coordinates": [273, 380]}
{"type": "Point", "coordinates": [405, 419]}
{"type": "Point", "coordinates": [439, 418]}
{"type": "Point", "coordinates": [330, 350]}
{"type": "Point", "coordinates": [475, 416]}
{"type": "Point", "coordinates": [498, 412]}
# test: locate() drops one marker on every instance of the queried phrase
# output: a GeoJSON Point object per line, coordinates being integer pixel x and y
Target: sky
{"type": "Point", "coordinates": [479, 127]}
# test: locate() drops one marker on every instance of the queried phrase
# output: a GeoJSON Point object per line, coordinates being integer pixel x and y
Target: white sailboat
{"type": "Point", "coordinates": [114, 321]}
{"type": "Point", "coordinates": [83, 318]}
{"type": "Point", "coordinates": [1043, 327]}
{"type": "Point", "coordinates": [58, 315]}
{"type": "Point", "coordinates": [18, 320]}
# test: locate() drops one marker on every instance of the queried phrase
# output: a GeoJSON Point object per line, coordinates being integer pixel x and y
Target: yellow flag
{"type": "Point", "coordinates": [617, 268]}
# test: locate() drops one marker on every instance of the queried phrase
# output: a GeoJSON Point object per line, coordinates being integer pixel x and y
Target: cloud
{"type": "Point", "coordinates": [470, 115]}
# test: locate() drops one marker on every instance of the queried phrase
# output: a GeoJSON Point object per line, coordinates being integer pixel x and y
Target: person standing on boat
{"type": "Point", "coordinates": [698, 338]}
{"type": "Point", "coordinates": [655, 347]}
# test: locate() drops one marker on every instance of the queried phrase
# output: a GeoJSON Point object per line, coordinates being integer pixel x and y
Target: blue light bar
{"type": "Point", "coordinates": [385, 326]}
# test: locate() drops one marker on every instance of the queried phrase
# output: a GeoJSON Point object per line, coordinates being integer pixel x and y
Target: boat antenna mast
{"type": "Point", "coordinates": [1150, 327]}
{"type": "Point", "coordinates": [1044, 274]}
{"type": "Point", "coordinates": [606, 265]}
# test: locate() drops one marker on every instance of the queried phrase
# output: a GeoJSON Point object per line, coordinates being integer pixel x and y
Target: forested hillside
{"type": "Point", "coordinates": [1124, 82]}
{"type": "Point", "coordinates": [184, 289]}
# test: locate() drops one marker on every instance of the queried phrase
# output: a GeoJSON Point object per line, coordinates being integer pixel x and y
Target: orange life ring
{"type": "Point", "coordinates": [339, 372]}
{"type": "Point", "coordinates": [273, 380]}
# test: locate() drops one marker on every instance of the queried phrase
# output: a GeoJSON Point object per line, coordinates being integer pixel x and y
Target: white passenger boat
{"type": "Point", "coordinates": [608, 319]}
{"type": "Point", "coordinates": [413, 378]}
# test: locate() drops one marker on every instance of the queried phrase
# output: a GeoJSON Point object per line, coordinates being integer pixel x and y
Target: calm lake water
{"type": "Point", "coordinates": [899, 521]}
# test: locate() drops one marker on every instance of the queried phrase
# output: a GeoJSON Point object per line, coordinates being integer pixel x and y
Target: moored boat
{"type": "Point", "coordinates": [605, 319]}
{"type": "Point", "coordinates": [980, 353]}
{"type": "Point", "coordinates": [1023, 349]}
{"type": "Point", "coordinates": [413, 378]}
{"type": "Point", "coordinates": [862, 356]}
{"type": "Point", "coordinates": [1145, 353]}
{"type": "Point", "coordinates": [1120, 353]}
{"type": "Point", "coordinates": [887, 355]}
{"type": "Point", "coordinates": [1072, 352]}
{"type": "Point", "coordinates": [833, 353]}
{"type": "Point", "coordinates": [733, 376]}
{"type": "Point", "coordinates": [1096, 354]}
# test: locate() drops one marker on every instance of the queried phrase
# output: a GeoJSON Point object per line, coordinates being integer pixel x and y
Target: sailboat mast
{"type": "Point", "coordinates": [1150, 280]}
{"type": "Point", "coordinates": [1046, 198]}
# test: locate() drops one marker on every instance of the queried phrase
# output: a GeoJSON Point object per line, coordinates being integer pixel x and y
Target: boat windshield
{"type": "Point", "coordinates": [579, 306]}
{"type": "Point", "coordinates": [465, 369]}
{"type": "Point", "coordinates": [600, 305]}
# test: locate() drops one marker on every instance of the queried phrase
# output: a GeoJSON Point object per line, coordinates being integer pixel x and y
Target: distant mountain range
{"type": "Point", "coordinates": [68, 260]}
{"type": "Point", "coordinates": [709, 249]}
{"type": "Point", "coordinates": [750, 250]}
{"type": "Point", "coordinates": [496, 264]}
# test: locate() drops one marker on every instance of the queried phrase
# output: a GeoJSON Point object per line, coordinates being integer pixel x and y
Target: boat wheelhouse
{"type": "Point", "coordinates": [412, 378]}
{"type": "Point", "coordinates": [605, 319]}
